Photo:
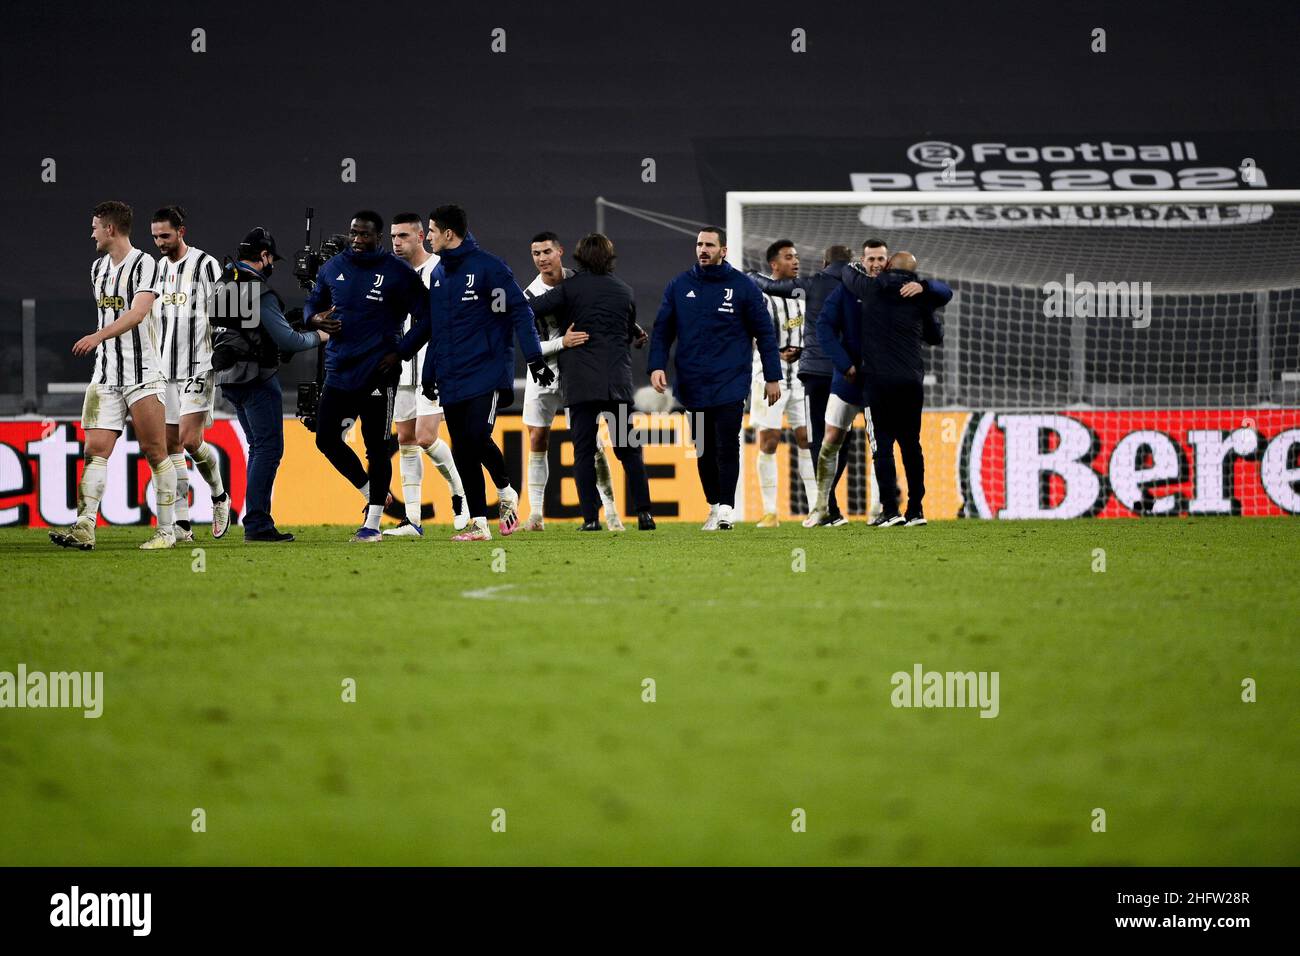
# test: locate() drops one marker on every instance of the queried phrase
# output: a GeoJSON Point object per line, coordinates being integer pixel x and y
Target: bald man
{"type": "Point", "coordinates": [895, 324]}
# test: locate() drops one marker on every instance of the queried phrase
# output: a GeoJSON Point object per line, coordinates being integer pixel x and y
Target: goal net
{"type": "Point", "coordinates": [1105, 353]}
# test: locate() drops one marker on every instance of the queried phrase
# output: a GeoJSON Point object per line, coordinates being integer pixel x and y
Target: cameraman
{"type": "Point", "coordinates": [245, 357]}
{"type": "Point", "coordinates": [372, 291]}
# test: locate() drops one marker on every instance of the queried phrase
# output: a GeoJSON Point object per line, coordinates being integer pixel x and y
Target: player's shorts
{"type": "Point", "coordinates": [541, 405]}
{"type": "Point", "coordinates": [411, 403]}
{"type": "Point", "coordinates": [189, 396]}
{"type": "Point", "coordinates": [841, 414]}
{"type": "Point", "coordinates": [106, 406]}
{"type": "Point", "coordinates": [765, 417]}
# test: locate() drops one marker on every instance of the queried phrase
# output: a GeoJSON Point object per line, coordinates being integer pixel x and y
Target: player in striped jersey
{"type": "Point", "coordinates": [186, 278]}
{"type": "Point", "coordinates": [127, 377]}
{"type": "Point", "coordinates": [787, 320]}
{"type": "Point", "coordinates": [543, 403]}
{"type": "Point", "coordinates": [417, 418]}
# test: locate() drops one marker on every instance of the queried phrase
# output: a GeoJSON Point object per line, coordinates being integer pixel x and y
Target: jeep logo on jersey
{"type": "Point", "coordinates": [470, 294]}
{"type": "Point", "coordinates": [174, 298]}
{"type": "Point", "coordinates": [111, 302]}
{"type": "Point", "coordinates": [935, 154]}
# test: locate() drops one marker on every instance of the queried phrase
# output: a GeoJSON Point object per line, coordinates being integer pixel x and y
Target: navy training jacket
{"type": "Point", "coordinates": [474, 304]}
{"type": "Point", "coordinates": [714, 314]}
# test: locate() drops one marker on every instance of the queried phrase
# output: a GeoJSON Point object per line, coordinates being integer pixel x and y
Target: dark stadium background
{"type": "Point", "coordinates": [255, 128]}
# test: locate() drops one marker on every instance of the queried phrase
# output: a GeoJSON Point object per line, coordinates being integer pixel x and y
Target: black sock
{"type": "Point", "coordinates": [183, 525]}
{"type": "Point", "coordinates": [221, 497]}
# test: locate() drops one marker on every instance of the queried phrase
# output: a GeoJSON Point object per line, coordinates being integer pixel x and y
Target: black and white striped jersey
{"type": "Point", "coordinates": [132, 358]}
{"type": "Point", "coordinates": [412, 370]}
{"type": "Point", "coordinates": [788, 322]}
{"type": "Point", "coordinates": [549, 331]}
{"type": "Point", "coordinates": [181, 311]}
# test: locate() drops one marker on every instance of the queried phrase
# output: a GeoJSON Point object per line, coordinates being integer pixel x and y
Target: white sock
{"type": "Point", "coordinates": [205, 460]}
{"type": "Point", "coordinates": [808, 475]}
{"type": "Point", "coordinates": [373, 514]}
{"type": "Point", "coordinates": [482, 526]}
{"type": "Point", "coordinates": [605, 480]}
{"type": "Point", "coordinates": [412, 467]}
{"type": "Point", "coordinates": [539, 471]}
{"type": "Point", "coordinates": [440, 454]}
{"type": "Point", "coordinates": [164, 486]}
{"type": "Point", "coordinates": [827, 461]}
{"type": "Point", "coordinates": [182, 506]}
{"type": "Point", "coordinates": [365, 492]}
{"type": "Point", "coordinates": [91, 489]}
{"type": "Point", "coordinates": [507, 493]}
{"type": "Point", "coordinates": [874, 487]}
{"type": "Point", "coordinates": [767, 480]}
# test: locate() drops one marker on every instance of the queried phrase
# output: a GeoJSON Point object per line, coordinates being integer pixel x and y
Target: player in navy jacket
{"type": "Point", "coordinates": [370, 292]}
{"type": "Point", "coordinates": [714, 313]}
{"type": "Point", "coordinates": [474, 306]}
{"type": "Point", "coordinates": [895, 327]}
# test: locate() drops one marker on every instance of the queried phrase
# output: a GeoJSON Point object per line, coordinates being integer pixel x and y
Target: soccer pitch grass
{"type": "Point", "coordinates": [521, 689]}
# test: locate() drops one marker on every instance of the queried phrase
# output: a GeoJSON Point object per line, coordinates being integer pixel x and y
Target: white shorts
{"type": "Point", "coordinates": [841, 414]}
{"type": "Point", "coordinates": [411, 403]}
{"type": "Point", "coordinates": [106, 407]}
{"type": "Point", "coordinates": [189, 396]}
{"type": "Point", "coordinates": [541, 407]}
{"type": "Point", "coordinates": [765, 417]}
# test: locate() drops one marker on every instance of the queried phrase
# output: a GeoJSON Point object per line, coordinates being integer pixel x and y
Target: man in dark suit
{"type": "Point", "coordinates": [596, 375]}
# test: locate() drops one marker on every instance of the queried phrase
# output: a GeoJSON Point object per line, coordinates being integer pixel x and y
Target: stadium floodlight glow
{"type": "Point", "coordinates": [1164, 324]}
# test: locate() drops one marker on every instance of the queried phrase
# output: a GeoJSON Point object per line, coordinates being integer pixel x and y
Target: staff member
{"type": "Point", "coordinates": [897, 320]}
{"type": "Point", "coordinates": [596, 375]}
{"type": "Point", "coordinates": [245, 358]}
{"type": "Point", "coordinates": [474, 302]}
{"type": "Point", "coordinates": [715, 314]}
{"type": "Point", "coordinates": [372, 291]}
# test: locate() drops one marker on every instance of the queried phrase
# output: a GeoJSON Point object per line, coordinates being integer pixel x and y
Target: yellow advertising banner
{"type": "Point", "coordinates": [309, 491]}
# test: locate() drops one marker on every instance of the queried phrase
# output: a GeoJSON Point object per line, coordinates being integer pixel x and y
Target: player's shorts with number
{"type": "Point", "coordinates": [841, 414]}
{"type": "Point", "coordinates": [767, 417]}
{"type": "Point", "coordinates": [190, 396]}
{"type": "Point", "coordinates": [106, 406]}
{"type": "Point", "coordinates": [411, 403]}
{"type": "Point", "coordinates": [541, 405]}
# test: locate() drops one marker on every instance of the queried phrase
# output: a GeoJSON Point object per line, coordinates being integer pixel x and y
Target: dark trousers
{"type": "Point", "coordinates": [374, 406]}
{"type": "Point", "coordinates": [716, 432]}
{"type": "Point", "coordinates": [469, 423]}
{"type": "Point", "coordinates": [584, 424]}
{"type": "Point", "coordinates": [896, 417]}
{"type": "Point", "coordinates": [817, 392]}
{"type": "Point", "coordinates": [260, 407]}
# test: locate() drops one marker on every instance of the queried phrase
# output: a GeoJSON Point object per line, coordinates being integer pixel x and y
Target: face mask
{"type": "Point", "coordinates": [267, 270]}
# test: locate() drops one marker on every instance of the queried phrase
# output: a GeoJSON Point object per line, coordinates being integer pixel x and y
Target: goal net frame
{"type": "Point", "coordinates": [1278, 394]}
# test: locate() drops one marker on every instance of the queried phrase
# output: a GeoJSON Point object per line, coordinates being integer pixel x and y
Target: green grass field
{"type": "Point", "coordinates": [521, 689]}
